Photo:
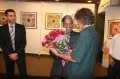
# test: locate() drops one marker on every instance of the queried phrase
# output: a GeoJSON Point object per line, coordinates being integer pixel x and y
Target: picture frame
{"type": "Point", "coordinates": [113, 27]}
{"type": "Point", "coordinates": [53, 21]}
{"type": "Point", "coordinates": [76, 26]}
{"type": "Point", "coordinates": [29, 19]}
{"type": "Point", "coordinates": [3, 20]}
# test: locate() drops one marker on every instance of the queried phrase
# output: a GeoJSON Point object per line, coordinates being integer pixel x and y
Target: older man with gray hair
{"type": "Point", "coordinates": [59, 68]}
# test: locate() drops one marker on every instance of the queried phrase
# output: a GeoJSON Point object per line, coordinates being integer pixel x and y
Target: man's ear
{"type": "Point", "coordinates": [6, 18]}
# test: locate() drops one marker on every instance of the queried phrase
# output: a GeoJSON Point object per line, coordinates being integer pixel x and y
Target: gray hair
{"type": "Point", "coordinates": [67, 17]}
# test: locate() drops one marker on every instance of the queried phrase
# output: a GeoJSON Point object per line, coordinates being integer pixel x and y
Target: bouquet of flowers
{"type": "Point", "coordinates": [57, 39]}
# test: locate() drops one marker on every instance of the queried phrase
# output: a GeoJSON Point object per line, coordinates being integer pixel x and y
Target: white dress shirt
{"type": "Point", "coordinates": [115, 47]}
{"type": "Point", "coordinates": [13, 28]}
{"type": "Point", "coordinates": [10, 27]}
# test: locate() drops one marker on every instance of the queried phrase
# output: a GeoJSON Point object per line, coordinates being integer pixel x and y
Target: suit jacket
{"type": "Point", "coordinates": [57, 68]}
{"type": "Point", "coordinates": [20, 40]}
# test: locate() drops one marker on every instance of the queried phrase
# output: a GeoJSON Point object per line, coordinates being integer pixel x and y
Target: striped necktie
{"type": "Point", "coordinates": [12, 34]}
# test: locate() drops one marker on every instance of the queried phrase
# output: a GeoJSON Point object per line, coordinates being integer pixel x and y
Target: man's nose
{"type": "Point", "coordinates": [68, 25]}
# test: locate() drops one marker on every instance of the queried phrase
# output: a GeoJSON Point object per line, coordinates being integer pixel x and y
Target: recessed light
{"type": "Point", "coordinates": [56, 0]}
{"type": "Point", "coordinates": [89, 1]}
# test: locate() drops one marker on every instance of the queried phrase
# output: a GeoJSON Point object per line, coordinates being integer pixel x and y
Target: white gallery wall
{"type": "Point", "coordinates": [72, 7]}
{"type": "Point", "coordinates": [35, 36]}
{"type": "Point", "coordinates": [111, 13]}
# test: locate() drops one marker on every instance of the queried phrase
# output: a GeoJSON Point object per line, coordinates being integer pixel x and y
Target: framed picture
{"type": "Point", "coordinates": [29, 19]}
{"type": "Point", "coordinates": [113, 27]}
{"type": "Point", "coordinates": [76, 26]}
{"type": "Point", "coordinates": [53, 20]}
{"type": "Point", "coordinates": [2, 18]}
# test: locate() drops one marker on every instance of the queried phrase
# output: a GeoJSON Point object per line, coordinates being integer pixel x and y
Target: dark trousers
{"type": "Point", "coordinates": [21, 67]}
{"type": "Point", "coordinates": [57, 77]}
{"type": "Point", "coordinates": [114, 72]}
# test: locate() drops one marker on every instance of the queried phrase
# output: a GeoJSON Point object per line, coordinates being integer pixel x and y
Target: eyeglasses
{"type": "Point", "coordinates": [67, 24]}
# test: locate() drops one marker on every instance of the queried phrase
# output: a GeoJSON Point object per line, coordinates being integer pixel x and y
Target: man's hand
{"type": "Point", "coordinates": [66, 57]}
{"type": "Point", "coordinates": [111, 62]}
{"type": "Point", "coordinates": [13, 56]}
{"type": "Point", "coordinates": [105, 49]}
{"type": "Point", "coordinates": [70, 51]}
{"type": "Point", "coordinates": [54, 52]}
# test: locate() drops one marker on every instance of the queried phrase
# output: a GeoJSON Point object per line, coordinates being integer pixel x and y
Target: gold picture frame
{"type": "Point", "coordinates": [3, 20]}
{"type": "Point", "coordinates": [76, 26]}
{"type": "Point", "coordinates": [53, 20]}
{"type": "Point", "coordinates": [29, 19]}
{"type": "Point", "coordinates": [113, 27]}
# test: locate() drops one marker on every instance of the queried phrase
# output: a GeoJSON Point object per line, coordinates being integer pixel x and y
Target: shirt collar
{"type": "Point", "coordinates": [11, 25]}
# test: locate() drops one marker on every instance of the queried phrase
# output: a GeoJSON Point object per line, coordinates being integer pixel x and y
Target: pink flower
{"type": "Point", "coordinates": [44, 41]}
{"type": "Point", "coordinates": [59, 38]}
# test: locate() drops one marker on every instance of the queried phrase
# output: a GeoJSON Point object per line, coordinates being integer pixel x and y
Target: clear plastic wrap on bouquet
{"type": "Point", "coordinates": [63, 50]}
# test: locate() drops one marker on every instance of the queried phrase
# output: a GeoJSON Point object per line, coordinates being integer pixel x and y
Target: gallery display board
{"type": "Point", "coordinates": [36, 34]}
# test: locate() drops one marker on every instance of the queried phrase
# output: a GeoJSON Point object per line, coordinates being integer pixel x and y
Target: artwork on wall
{"type": "Point", "coordinates": [2, 18]}
{"type": "Point", "coordinates": [53, 20]}
{"type": "Point", "coordinates": [29, 19]}
{"type": "Point", "coordinates": [113, 27]}
{"type": "Point", "coordinates": [76, 26]}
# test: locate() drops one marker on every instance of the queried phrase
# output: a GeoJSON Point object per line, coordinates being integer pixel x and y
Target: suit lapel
{"type": "Point", "coordinates": [16, 33]}
{"type": "Point", "coordinates": [71, 33]}
{"type": "Point", "coordinates": [7, 33]}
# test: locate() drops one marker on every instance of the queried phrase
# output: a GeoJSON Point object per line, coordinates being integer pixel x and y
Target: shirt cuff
{"type": "Point", "coordinates": [110, 51]}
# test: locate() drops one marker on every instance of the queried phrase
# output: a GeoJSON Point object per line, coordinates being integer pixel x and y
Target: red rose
{"type": "Point", "coordinates": [50, 34]}
{"type": "Point", "coordinates": [62, 31]}
{"type": "Point", "coordinates": [43, 43]}
{"type": "Point", "coordinates": [49, 44]}
{"type": "Point", "coordinates": [57, 32]}
{"type": "Point", "coordinates": [53, 44]}
{"type": "Point", "coordinates": [46, 36]}
{"type": "Point", "coordinates": [53, 32]}
{"type": "Point", "coordinates": [54, 36]}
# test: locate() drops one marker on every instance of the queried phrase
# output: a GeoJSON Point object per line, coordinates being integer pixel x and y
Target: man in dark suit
{"type": "Point", "coordinates": [59, 71]}
{"type": "Point", "coordinates": [13, 42]}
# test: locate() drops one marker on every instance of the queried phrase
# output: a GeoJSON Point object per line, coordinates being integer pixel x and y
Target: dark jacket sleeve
{"type": "Point", "coordinates": [73, 39]}
{"type": "Point", "coordinates": [22, 42]}
{"type": "Point", "coordinates": [52, 54]}
{"type": "Point", "coordinates": [99, 48]}
{"type": "Point", "coordinates": [2, 42]}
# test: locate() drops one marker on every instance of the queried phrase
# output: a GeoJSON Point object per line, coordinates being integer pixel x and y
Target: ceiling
{"type": "Point", "coordinates": [72, 1]}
